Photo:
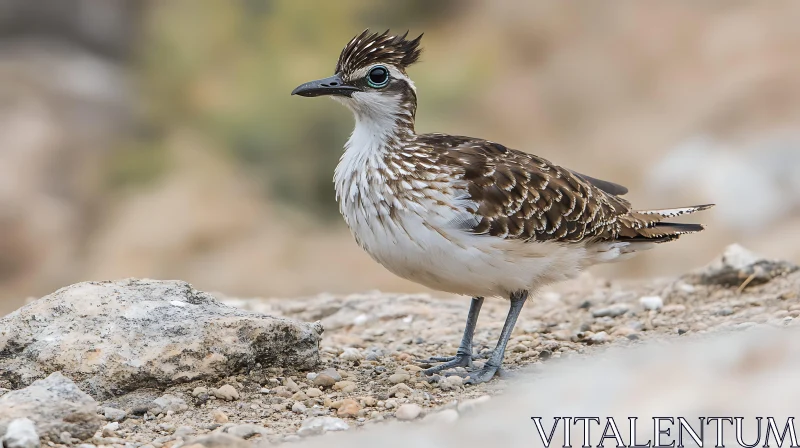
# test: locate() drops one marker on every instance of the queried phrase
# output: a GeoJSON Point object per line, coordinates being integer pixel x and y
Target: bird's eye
{"type": "Point", "coordinates": [378, 77]}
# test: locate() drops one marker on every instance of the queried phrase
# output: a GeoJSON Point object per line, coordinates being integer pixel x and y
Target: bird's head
{"type": "Point", "coordinates": [370, 76]}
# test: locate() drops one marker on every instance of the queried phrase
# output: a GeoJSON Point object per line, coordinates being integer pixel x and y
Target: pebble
{"type": "Point", "coordinates": [398, 377]}
{"type": "Point", "coordinates": [351, 354]}
{"type": "Point", "coordinates": [291, 385]}
{"type": "Point", "coordinates": [199, 391]}
{"type": "Point", "coordinates": [599, 338]}
{"type": "Point", "coordinates": [226, 392]}
{"type": "Point", "coordinates": [408, 411]}
{"type": "Point", "coordinates": [615, 310]}
{"type": "Point", "coordinates": [110, 430]}
{"type": "Point", "coordinates": [348, 408]}
{"type": "Point", "coordinates": [313, 392]}
{"type": "Point", "coordinates": [345, 386]}
{"type": "Point", "coordinates": [318, 425]}
{"type": "Point", "coordinates": [299, 407]}
{"type": "Point", "coordinates": [651, 302]}
{"type": "Point", "coordinates": [519, 348]}
{"type": "Point", "coordinates": [451, 382]}
{"type": "Point", "coordinates": [168, 402]}
{"type": "Point", "coordinates": [219, 416]}
{"type": "Point", "coordinates": [442, 417]}
{"type": "Point", "coordinates": [246, 430]}
{"type": "Point", "coordinates": [323, 380]}
{"type": "Point", "coordinates": [184, 431]}
{"type": "Point", "coordinates": [114, 414]}
{"type": "Point", "coordinates": [300, 396]}
{"type": "Point", "coordinates": [21, 433]}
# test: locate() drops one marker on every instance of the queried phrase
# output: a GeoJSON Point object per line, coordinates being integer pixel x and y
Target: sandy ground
{"type": "Point", "coordinates": [372, 342]}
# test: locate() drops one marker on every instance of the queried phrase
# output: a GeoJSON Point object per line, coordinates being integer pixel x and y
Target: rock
{"type": "Point", "coordinates": [184, 431]}
{"type": "Point", "coordinates": [299, 407]}
{"type": "Point", "coordinates": [113, 337]}
{"type": "Point", "coordinates": [219, 440]}
{"type": "Point", "coordinates": [54, 404]}
{"type": "Point", "coordinates": [246, 430]}
{"type": "Point", "coordinates": [599, 338]}
{"type": "Point", "coordinates": [167, 402]}
{"type": "Point", "coordinates": [313, 392]}
{"type": "Point", "coordinates": [345, 386]}
{"type": "Point", "coordinates": [319, 425]}
{"type": "Point", "coordinates": [738, 265]}
{"type": "Point", "coordinates": [348, 409]}
{"type": "Point", "coordinates": [323, 380]}
{"type": "Point", "coordinates": [408, 411]}
{"type": "Point", "coordinates": [442, 417]}
{"type": "Point", "coordinates": [651, 302]}
{"type": "Point", "coordinates": [351, 354]}
{"type": "Point", "coordinates": [21, 433]}
{"type": "Point", "coordinates": [110, 430]}
{"type": "Point", "coordinates": [398, 377]}
{"type": "Point", "coordinates": [219, 416]}
{"type": "Point", "coordinates": [615, 310]}
{"type": "Point", "coordinates": [226, 392]}
{"type": "Point", "coordinates": [197, 391]}
{"type": "Point", "coordinates": [114, 414]}
{"type": "Point", "coordinates": [451, 382]}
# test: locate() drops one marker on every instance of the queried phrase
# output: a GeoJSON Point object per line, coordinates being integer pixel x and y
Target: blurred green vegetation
{"type": "Point", "coordinates": [224, 70]}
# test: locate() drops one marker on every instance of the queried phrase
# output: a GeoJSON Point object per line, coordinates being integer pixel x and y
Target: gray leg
{"type": "Point", "coordinates": [494, 362]}
{"type": "Point", "coordinates": [463, 357]}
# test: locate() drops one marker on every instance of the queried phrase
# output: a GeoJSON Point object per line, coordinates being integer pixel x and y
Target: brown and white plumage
{"type": "Point", "coordinates": [461, 214]}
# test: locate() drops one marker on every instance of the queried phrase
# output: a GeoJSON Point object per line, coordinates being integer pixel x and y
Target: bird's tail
{"type": "Point", "coordinates": [649, 225]}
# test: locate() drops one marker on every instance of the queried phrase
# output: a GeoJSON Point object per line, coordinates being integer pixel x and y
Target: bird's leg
{"type": "Point", "coordinates": [463, 357]}
{"type": "Point", "coordinates": [496, 359]}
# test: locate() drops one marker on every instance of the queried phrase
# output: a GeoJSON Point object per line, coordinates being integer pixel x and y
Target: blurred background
{"type": "Point", "coordinates": [159, 139]}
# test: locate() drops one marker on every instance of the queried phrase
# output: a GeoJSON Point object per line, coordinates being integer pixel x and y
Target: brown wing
{"type": "Point", "coordinates": [519, 195]}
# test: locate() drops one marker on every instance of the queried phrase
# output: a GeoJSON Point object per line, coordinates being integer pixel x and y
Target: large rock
{"type": "Point", "coordinates": [118, 336]}
{"type": "Point", "coordinates": [739, 267]}
{"type": "Point", "coordinates": [54, 404]}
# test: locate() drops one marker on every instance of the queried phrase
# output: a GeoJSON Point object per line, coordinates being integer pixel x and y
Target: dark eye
{"type": "Point", "coordinates": [378, 77]}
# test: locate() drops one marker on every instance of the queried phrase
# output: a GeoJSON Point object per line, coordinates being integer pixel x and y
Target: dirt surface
{"type": "Point", "coordinates": [372, 342]}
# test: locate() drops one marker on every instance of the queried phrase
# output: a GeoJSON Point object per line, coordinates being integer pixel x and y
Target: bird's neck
{"type": "Point", "coordinates": [382, 122]}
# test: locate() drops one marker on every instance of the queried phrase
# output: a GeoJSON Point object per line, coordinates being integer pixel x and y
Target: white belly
{"type": "Point", "coordinates": [453, 260]}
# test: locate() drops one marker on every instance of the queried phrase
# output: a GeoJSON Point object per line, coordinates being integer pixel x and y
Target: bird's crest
{"type": "Point", "coordinates": [371, 48]}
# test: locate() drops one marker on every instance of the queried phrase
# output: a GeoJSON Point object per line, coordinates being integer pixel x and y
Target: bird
{"type": "Point", "coordinates": [465, 215]}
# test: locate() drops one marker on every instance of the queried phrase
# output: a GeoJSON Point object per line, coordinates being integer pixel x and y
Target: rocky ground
{"type": "Point", "coordinates": [222, 391]}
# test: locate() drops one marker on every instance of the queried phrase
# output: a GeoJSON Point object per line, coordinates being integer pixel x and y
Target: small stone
{"type": "Point", "coordinates": [519, 348]}
{"type": "Point", "coordinates": [345, 386]}
{"type": "Point", "coordinates": [299, 396]}
{"type": "Point", "coordinates": [615, 310]}
{"type": "Point", "coordinates": [168, 402]}
{"type": "Point", "coordinates": [324, 380]}
{"type": "Point", "coordinates": [333, 373]}
{"type": "Point", "coordinates": [219, 416]}
{"type": "Point", "coordinates": [674, 308]}
{"type": "Point", "coordinates": [397, 378]}
{"type": "Point", "coordinates": [184, 431]}
{"type": "Point", "coordinates": [451, 382]}
{"type": "Point", "coordinates": [114, 414]}
{"type": "Point", "coordinates": [370, 401]}
{"type": "Point", "coordinates": [291, 385]}
{"type": "Point", "coordinates": [110, 430]}
{"type": "Point", "coordinates": [313, 392]}
{"type": "Point", "coordinates": [651, 302]}
{"type": "Point", "coordinates": [408, 411]}
{"type": "Point", "coordinates": [226, 392]}
{"type": "Point", "coordinates": [298, 407]}
{"type": "Point", "coordinates": [246, 430]}
{"type": "Point", "coordinates": [442, 417]}
{"type": "Point", "coordinates": [348, 408]}
{"type": "Point", "coordinates": [599, 338]}
{"type": "Point", "coordinates": [470, 405]}
{"type": "Point", "coordinates": [21, 433]}
{"type": "Point", "coordinates": [318, 425]}
{"type": "Point", "coordinates": [199, 391]}
{"type": "Point", "coordinates": [351, 354]}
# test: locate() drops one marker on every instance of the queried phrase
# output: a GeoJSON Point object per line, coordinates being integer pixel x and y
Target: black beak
{"type": "Point", "coordinates": [327, 86]}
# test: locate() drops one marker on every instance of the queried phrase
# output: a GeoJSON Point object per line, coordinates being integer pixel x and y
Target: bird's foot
{"type": "Point", "coordinates": [447, 362]}
{"type": "Point", "coordinates": [481, 375]}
